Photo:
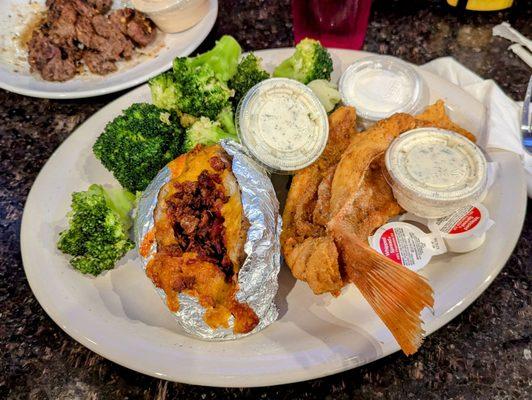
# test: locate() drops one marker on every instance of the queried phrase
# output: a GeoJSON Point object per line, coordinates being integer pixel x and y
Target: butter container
{"type": "Point", "coordinates": [462, 231]}
{"type": "Point", "coordinates": [172, 16]}
{"type": "Point", "coordinates": [406, 244]}
{"type": "Point", "coordinates": [465, 229]}
{"type": "Point", "coordinates": [379, 86]}
{"type": "Point", "coordinates": [434, 172]}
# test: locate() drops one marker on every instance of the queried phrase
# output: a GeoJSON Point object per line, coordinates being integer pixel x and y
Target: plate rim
{"type": "Point", "coordinates": [82, 94]}
{"type": "Point", "coordinates": [270, 379]}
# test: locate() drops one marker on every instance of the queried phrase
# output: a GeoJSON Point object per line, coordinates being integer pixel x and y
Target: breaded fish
{"type": "Point", "coordinates": [361, 201]}
{"type": "Point", "coordinates": [336, 203]}
{"type": "Point", "coordinates": [309, 252]}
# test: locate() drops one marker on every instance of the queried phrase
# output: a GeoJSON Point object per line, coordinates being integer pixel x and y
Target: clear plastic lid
{"type": "Point", "coordinates": [149, 6]}
{"type": "Point", "coordinates": [433, 172]}
{"type": "Point", "coordinates": [379, 86]}
{"type": "Point", "coordinates": [282, 124]}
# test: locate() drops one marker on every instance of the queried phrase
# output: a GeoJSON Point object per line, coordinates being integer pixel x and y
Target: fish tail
{"type": "Point", "coordinates": [396, 294]}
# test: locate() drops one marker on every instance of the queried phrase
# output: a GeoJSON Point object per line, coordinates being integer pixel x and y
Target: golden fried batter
{"type": "Point", "coordinates": [336, 203]}
{"type": "Point", "coordinates": [299, 222]}
{"type": "Point", "coordinates": [435, 116]}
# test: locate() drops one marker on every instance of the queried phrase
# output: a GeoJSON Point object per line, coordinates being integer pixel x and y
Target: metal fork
{"type": "Point", "coordinates": [526, 119]}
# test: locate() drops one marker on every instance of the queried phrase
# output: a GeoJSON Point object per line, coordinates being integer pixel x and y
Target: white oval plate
{"type": "Point", "coordinates": [120, 316]}
{"type": "Point", "coordinates": [154, 59]}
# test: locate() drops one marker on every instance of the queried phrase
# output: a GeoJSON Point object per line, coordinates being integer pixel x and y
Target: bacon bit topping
{"type": "Point", "coordinates": [196, 214]}
{"type": "Point", "coordinates": [217, 164]}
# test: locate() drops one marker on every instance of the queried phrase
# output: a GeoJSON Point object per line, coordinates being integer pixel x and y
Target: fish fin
{"type": "Point", "coordinates": [396, 294]}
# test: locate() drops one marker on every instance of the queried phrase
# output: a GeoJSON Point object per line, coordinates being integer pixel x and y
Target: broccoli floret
{"type": "Point", "coordinates": [202, 94]}
{"type": "Point", "coordinates": [207, 132]}
{"type": "Point", "coordinates": [97, 236]}
{"type": "Point", "coordinates": [248, 74]}
{"type": "Point", "coordinates": [187, 120]}
{"type": "Point", "coordinates": [327, 92]}
{"type": "Point", "coordinates": [222, 58]}
{"type": "Point", "coordinates": [226, 119]}
{"type": "Point", "coordinates": [310, 61]}
{"type": "Point", "coordinates": [138, 143]}
{"type": "Point", "coordinates": [165, 92]}
{"type": "Point", "coordinates": [198, 86]}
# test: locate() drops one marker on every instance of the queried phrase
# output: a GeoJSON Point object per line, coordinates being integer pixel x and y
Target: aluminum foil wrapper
{"type": "Point", "coordinates": [257, 277]}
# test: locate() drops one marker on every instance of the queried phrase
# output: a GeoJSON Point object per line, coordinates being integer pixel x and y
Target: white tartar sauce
{"type": "Point", "coordinates": [434, 172]}
{"type": "Point", "coordinates": [283, 125]}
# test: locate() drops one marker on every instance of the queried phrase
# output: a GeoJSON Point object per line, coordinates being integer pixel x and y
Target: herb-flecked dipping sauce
{"type": "Point", "coordinates": [434, 172]}
{"type": "Point", "coordinates": [283, 125]}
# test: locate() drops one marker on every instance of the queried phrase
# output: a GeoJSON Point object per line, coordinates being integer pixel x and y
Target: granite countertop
{"type": "Point", "coordinates": [483, 353]}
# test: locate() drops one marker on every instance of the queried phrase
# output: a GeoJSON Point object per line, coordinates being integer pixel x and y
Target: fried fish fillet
{"type": "Point", "coordinates": [309, 252]}
{"type": "Point", "coordinates": [361, 201]}
{"type": "Point", "coordinates": [336, 203]}
{"type": "Point", "coordinates": [436, 116]}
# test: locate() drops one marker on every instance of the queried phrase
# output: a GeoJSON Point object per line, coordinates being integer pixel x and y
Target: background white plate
{"type": "Point", "coordinates": [119, 315]}
{"type": "Point", "coordinates": [14, 69]}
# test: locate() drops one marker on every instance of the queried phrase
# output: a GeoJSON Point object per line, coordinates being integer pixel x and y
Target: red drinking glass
{"type": "Point", "coordinates": [335, 23]}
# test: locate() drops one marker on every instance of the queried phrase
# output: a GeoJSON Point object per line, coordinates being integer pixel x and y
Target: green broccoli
{"type": "Point", "coordinates": [165, 92]}
{"type": "Point", "coordinates": [202, 94]}
{"type": "Point", "coordinates": [310, 61]}
{"type": "Point", "coordinates": [222, 58]}
{"type": "Point", "coordinates": [248, 74]}
{"type": "Point", "coordinates": [198, 86]}
{"type": "Point", "coordinates": [97, 236]}
{"type": "Point", "coordinates": [187, 120]}
{"type": "Point", "coordinates": [207, 132]}
{"type": "Point", "coordinates": [327, 92]}
{"type": "Point", "coordinates": [226, 119]}
{"type": "Point", "coordinates": [138, 143]}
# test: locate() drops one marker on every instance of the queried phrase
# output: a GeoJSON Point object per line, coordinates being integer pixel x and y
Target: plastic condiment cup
{"type": "Point", "coordinates": [282, 124]}
{"type": "Point", "coordinates": [434, 172]}
{"type": "Point", "coordinates": [173, 16]}
{"type": "Point", "coordinates": [379, 86]}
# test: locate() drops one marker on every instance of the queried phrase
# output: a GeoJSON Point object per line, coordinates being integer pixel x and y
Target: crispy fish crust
{"type": "Point", "coordinates": [336, 203]}
{"type": "Point", "coordinates": [299, 224]}
{"type": "Point", "coordinates": [436, 116]}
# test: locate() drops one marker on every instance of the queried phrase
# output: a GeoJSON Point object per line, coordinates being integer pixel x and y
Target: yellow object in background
{"type": "Point", "coordinates": [482, 5]}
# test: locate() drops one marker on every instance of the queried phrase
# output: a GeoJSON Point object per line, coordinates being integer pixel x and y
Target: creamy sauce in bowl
{"type": "Point", "coordinates": [283, 125]}
{"type": "Point", "coordinates": [434, 172]}
{"type": "Point", "coordinates": [436, 165]}
{"type": "Point", "coordinates": [173, 16]}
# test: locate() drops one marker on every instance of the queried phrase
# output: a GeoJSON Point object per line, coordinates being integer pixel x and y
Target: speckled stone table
{"type": "Point", "coordinates": [485, 353]}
